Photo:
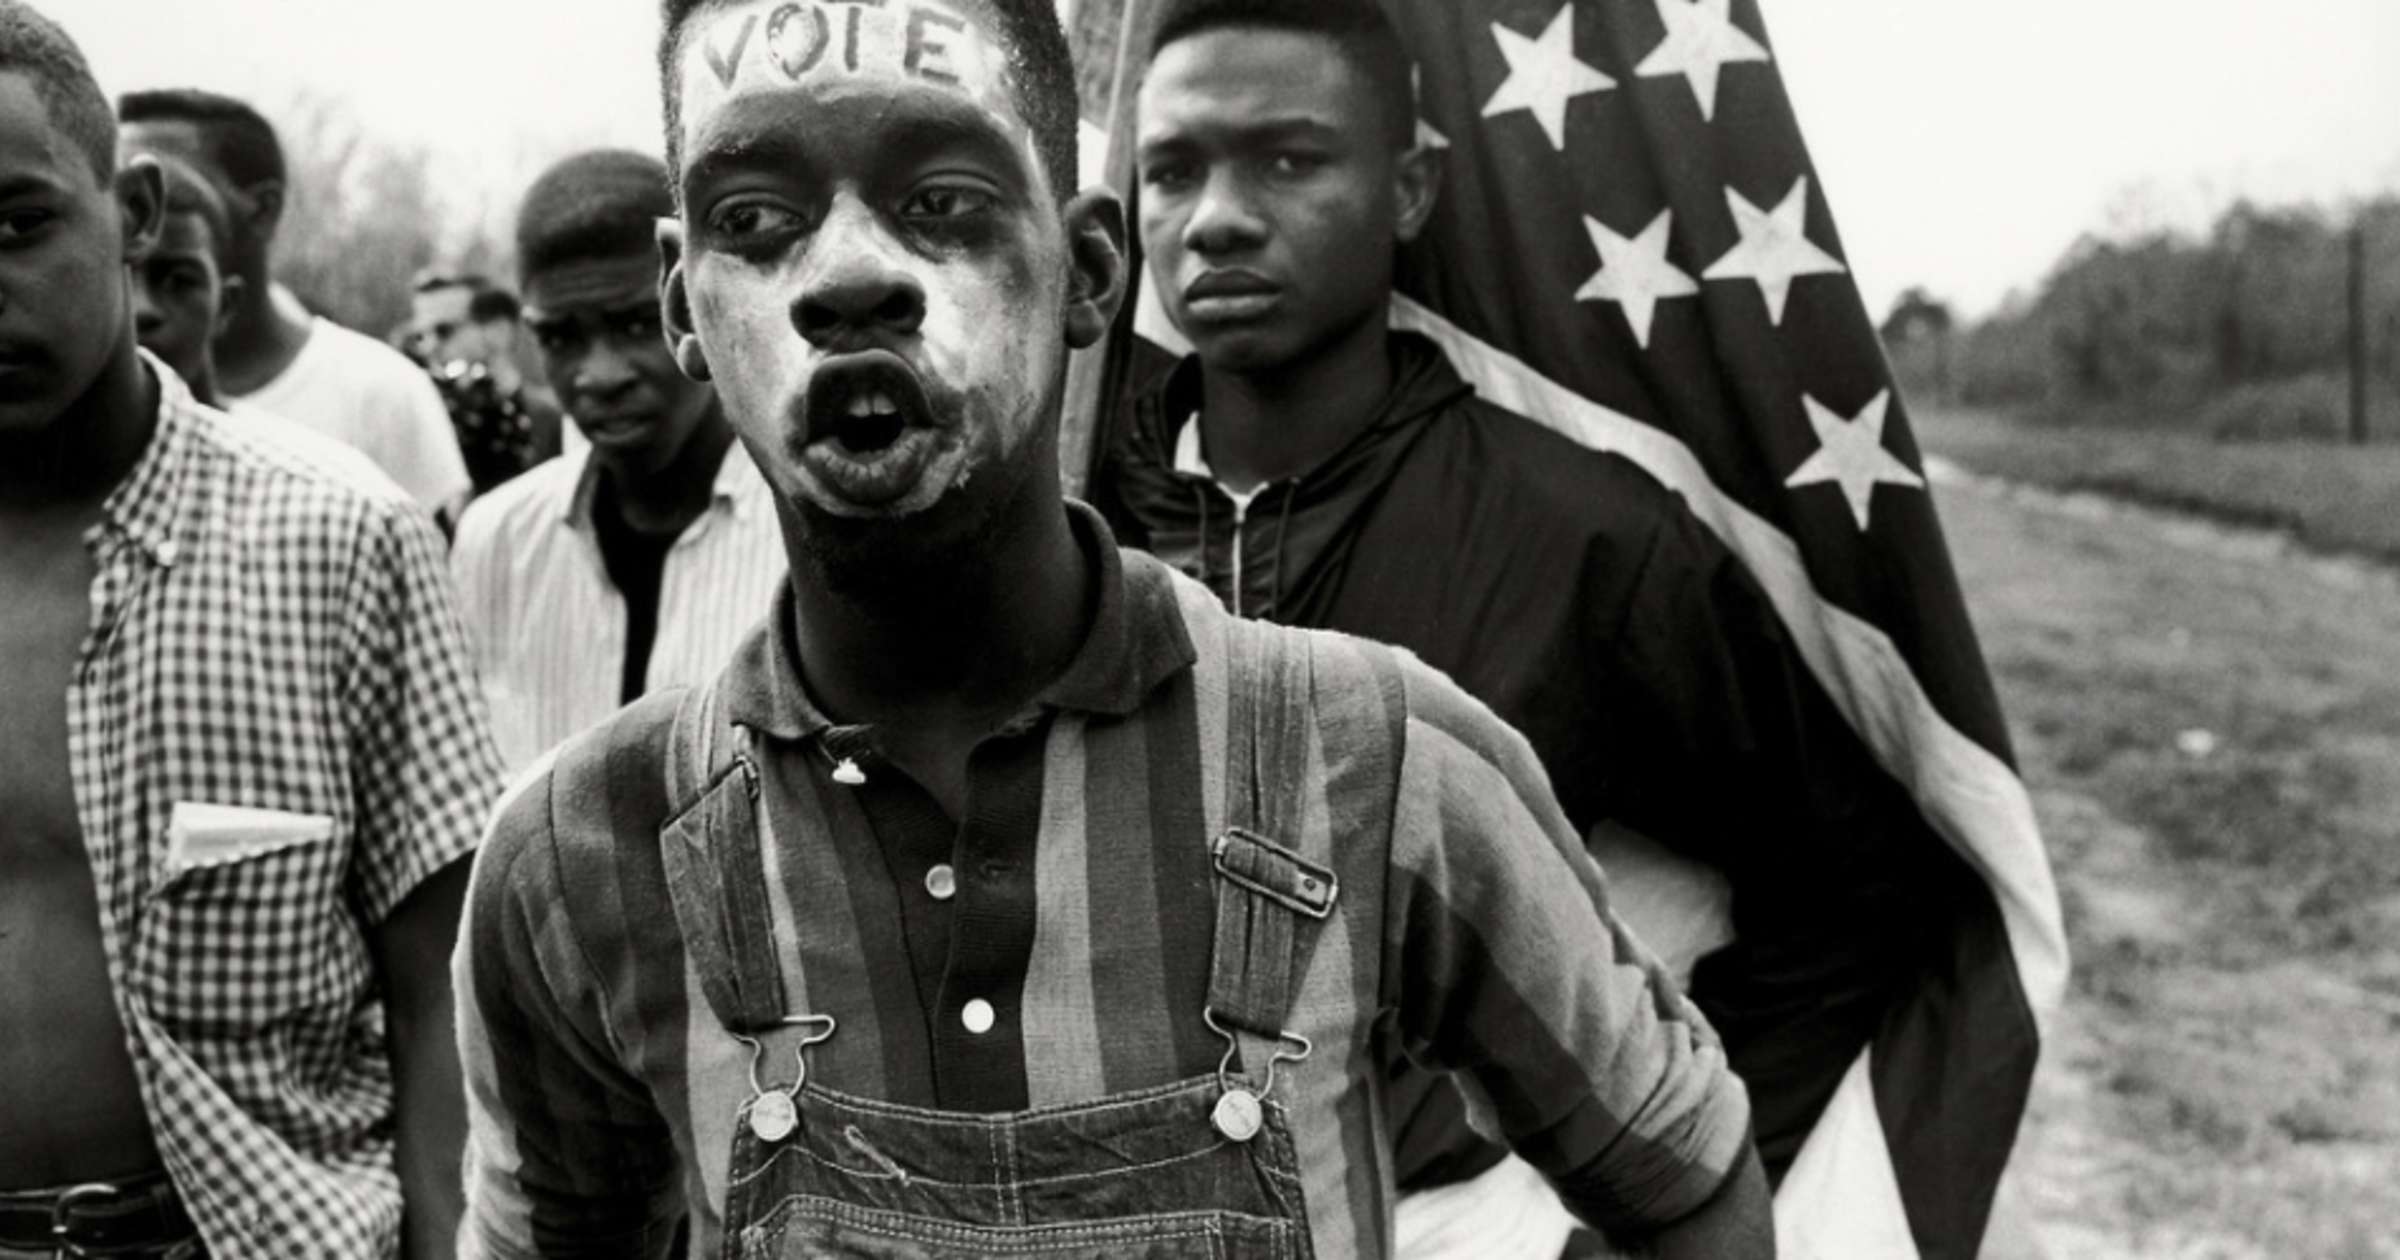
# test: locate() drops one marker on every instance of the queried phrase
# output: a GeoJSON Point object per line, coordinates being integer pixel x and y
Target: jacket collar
{"type": "Point", "coordinates": [1167, 429]}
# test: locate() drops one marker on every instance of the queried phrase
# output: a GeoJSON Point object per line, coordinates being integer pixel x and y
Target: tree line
{"type": "Point", "coordinates": [2240, 331]}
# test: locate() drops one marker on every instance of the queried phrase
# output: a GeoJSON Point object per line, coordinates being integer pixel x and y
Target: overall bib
{"type": "Point", "coordinates": [1202, 1167]}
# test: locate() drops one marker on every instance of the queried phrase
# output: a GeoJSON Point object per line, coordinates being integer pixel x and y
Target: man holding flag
{"type": "Point", "coordinates": [1640, 559]}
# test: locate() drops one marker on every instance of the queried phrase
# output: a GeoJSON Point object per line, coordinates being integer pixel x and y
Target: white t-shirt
{"type": "Point", "coordinates": [363, 393]}
{"type": "Point", "coordinates": [341, 458]}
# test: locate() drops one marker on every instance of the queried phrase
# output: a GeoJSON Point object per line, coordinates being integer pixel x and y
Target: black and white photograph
{"type": "Point", "coordinates": [1251, 629]}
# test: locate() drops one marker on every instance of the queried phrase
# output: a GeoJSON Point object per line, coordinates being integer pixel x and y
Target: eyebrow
{"type": "Point", "coordinates": [726, 155]}
{"type": "Point", "coordinates": [539, 318]}
{"type": "Point", "coordinates": [939, 125]}
{"type": "Point", "coordinates": [27, 185]}
{"type": "Point", "coordinates": [1265, 131]}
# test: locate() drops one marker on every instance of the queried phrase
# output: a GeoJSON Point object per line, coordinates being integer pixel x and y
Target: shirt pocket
{"type": "Point", "coordinates": [246, 926]}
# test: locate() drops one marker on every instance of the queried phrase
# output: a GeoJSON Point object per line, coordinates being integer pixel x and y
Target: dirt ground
{"type": "Point", "coordinates": [2211, 730]}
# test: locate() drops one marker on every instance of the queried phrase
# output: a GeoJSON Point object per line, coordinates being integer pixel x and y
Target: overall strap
{"type": "Point", "coordinates": [716, 875]}
{"type": "Point", "coordinates": [1269, 898]}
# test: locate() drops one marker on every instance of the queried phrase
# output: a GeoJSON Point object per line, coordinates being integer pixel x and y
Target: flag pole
{"type": "Point", "coordinates": [1093, 375]}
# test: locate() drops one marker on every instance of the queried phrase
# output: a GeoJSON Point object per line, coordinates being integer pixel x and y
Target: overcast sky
{"type": "Point", "coordinates": [1964, 144]}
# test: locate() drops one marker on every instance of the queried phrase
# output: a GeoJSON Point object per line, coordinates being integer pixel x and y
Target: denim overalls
{"type": "Point", "coordinates": [1200, 1167]}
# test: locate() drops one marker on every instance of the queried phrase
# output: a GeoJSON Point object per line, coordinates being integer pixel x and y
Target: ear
{"type": "Point", "coordinates": [141, 188]}
{"type": "Point", "coordinates": [1095, 224]}
{"type": "Point", "coordinates": [1416, 184]}
{"type": "Point", "coordinates": [675, 303]}
{"type": "Point", "coordinates": [265, 212]}
{"type": "Point", "coordinates": [229, 294]}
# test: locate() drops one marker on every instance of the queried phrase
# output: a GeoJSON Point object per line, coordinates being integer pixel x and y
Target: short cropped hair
{"type": "Point", "coordinates": [602, 204]}
{"type": "Point", "coordinates": [1358, 27]}
{"type": "Point", "coordinates": [239, 140]}
{"type": "Point", "coordinates": [190, 192]}
{"type": "Point", "coordinates": [38, 48]}
{"type": "Point", "coordinates": [493, 304]}
{"type": "Point", "coordinates": [1041, 70]}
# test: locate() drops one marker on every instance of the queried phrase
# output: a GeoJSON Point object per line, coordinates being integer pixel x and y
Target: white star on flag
{"type": "Point", "coordinates": [1427, 137]}
{"type": "Point", "coordinates": [1634, 272]}
{"type": "Point", "coordinates": [1850, 451]}
{"type": "Point", "coordinates": [1774, 248]}
{"type": "Point", "coordinates": [1701, 39]}
{"type": "Point", "coordinates": [1543, 75]}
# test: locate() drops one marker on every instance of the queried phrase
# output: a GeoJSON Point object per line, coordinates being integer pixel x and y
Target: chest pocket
{"type": "Point", "coordinates": [246, 923]}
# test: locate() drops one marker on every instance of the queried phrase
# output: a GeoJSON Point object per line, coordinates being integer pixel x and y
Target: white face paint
{"type": "Point", "coordinates": [773, 44]}
{"type": "Point", "coordinates": [873, 255]}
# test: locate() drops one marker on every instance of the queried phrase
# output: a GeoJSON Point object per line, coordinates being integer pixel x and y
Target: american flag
{"type": "Point", "coordinates": [1632, 247]}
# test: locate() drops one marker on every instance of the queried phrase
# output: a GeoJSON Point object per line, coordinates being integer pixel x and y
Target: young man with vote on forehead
{"type": "Point", "coordinates": [1004, 894]}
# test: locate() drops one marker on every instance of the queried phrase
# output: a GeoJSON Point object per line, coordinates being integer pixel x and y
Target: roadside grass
{"type": "Point", "coordinates": [2331, 496]}
{"type": "Point", "coordinates": [2213, 744]}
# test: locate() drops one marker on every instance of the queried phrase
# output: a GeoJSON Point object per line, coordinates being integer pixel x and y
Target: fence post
{"type": "Point", "coordinates": [2358, 329]}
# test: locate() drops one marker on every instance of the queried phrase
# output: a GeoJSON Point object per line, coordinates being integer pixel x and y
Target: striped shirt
{"type": "Point", "coordinates": [549, 628]}
{"type": "Point", "coordinates": [273, 740]}
{"type": "Point", "coordinates": [603, 1091]}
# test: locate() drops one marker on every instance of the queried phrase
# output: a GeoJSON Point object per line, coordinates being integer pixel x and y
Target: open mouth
{"type": "Point", "coordinates": [871, 432]}
{"type": "Point", "coordinates": [863, 403]}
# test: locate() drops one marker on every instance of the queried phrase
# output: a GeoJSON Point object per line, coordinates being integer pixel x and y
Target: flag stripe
{"type": "Point", "coordinates": [1731, 357]}
{"type": "Point", "coordinates": [1968, 793]}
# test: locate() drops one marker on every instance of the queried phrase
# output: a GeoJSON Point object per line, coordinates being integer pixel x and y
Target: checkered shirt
{"type": "Point", "coordinates": [274, 634]}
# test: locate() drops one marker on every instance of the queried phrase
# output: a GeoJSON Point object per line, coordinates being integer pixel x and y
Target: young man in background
{"type": "Point", "coordinates": [464, 331]}
{"type": "Point", "coordinates": [181, 298]}
{"type": "Point", "coordinates": [642, 560]}
{"type": "Point", "coordinates": [242, 762]}
{"type": "Point", "coordinates": [1316, 468]}
{"type": "Point", "coordinates": [306, 368]}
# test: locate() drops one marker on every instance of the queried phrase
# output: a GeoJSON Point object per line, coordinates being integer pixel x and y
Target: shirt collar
{"type": "Point", "coordinates": [1191, 462]}
{"type": "Point", "coordinates": [738, 488]}
{"type": "Point", "coordinates": [1136, 641]}
{"type": "Point", "coordinates": [147, 505]}
{"type": "Point", "coordinates": [1189, 458]}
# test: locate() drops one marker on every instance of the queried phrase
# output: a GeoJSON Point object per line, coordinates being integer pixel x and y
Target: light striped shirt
{"type": "Point", "coordinates": [1470, 926]}
{"type": "Point", "coordinates": [547, 626]}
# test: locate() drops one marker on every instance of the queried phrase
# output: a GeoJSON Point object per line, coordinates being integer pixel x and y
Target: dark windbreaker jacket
{"type": "Point", "coordinates": [1577, 596]}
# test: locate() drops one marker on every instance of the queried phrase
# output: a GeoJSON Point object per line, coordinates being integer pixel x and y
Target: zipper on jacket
{"type": "Point", "coordinates": [1241, 511]}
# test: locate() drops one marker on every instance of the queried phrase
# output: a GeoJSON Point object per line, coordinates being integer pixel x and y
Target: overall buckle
{"type": "Point", "coordinates": [1240, 1113]}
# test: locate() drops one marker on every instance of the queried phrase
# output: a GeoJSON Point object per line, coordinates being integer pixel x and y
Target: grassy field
{"type": "Point", "coordinates": [2339, 498]}
{"type": "Point", "coordinates": [2212, 738]}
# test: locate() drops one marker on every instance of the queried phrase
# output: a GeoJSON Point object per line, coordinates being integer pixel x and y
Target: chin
{"type": "Point", "coordinates": [1245, 349]}
{"type": "Point", "coordinates": [920, 556]}
{"type": "Point", "coordinates": [896, 559]}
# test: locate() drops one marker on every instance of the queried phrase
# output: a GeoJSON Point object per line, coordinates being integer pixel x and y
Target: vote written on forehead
{"type": "Point", "coordinates": [811, 38]}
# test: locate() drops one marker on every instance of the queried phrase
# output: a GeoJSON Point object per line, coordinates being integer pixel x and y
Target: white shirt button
{"type": "Point", "coordinates": [941, 883]}
{"type": "Point", "coordinates": [977, 1016]}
